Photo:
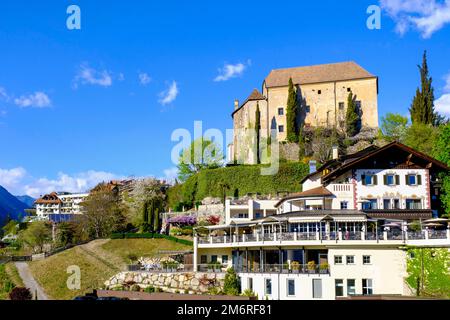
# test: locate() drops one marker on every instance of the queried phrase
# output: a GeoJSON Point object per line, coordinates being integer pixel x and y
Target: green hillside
{"type": "Point", "coordinates": [240, 180]}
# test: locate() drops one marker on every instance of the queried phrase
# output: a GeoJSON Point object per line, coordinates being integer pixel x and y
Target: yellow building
{"type": "Point", "coordinates": [322, 92]}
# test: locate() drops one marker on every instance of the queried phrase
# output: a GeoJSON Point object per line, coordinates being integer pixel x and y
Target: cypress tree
{"type": "Point", "coordinates": [422, 107]}
{"type": "Point", "coordinates": [151, 209]}
{"type": "Point", "coordinates": [351, 117]}
{"type": "Point", "coordinates": [258, 128]}
{"type": "Point", "coordinates": [145, 217]}
{"type": "Point", "coordinates": [156, 220]}
{"type": "Point", "coordinates": [291, 114]}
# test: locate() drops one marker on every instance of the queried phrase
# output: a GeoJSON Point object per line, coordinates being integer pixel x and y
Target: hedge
{"type": "Point", "coordinates": [150, 236]}
{"type": "Point", "coordinates": [241, 179]}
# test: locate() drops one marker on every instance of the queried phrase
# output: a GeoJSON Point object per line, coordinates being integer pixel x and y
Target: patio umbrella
{"type": "Point", "coordinates": [433, 224]}
{"type": "Point", "coordinates": [391, 224]}
{"type": "Point", "coordinates": [436, 220]}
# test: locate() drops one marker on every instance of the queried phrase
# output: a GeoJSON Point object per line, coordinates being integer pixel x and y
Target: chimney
{"type": "Point", "coordinates": [312, 166]}
{"type": "Point", "coordinates": [335, 152]}
{"type": "Point", "coordinates": [236, 104]}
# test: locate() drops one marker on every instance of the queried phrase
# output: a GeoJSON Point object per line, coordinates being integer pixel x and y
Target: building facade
{"type": "Point", "coordinates": [322, 93]}
{"type": "Point", "coordinates": [345, 234]}
{"type": "Point", "coordinates": [58, 204]}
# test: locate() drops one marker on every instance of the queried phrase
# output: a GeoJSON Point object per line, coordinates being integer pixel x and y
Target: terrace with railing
{"type": "Point", "coordinates": [380, 236]}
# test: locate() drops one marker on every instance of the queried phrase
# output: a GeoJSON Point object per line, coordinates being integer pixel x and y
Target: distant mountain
{"type": "Point", "coordinates": [10, 206]}
{"type": "Point", "coordinates": [29, 201]}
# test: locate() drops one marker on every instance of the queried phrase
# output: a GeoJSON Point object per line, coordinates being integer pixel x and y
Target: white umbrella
{"type": "Point", "coordinates": [436, 220]}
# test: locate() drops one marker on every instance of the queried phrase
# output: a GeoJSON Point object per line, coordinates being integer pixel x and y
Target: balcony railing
{"type": "Point", "coordinates": [285, 268]}
{"type": "Point", "coordinates": [332, 236]}
{"type": "Point", "coordinates": [437, 234]}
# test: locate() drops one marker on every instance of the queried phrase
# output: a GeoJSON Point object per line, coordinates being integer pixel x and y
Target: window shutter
{"type": "Point", "coordinates": [375, 180]}
{"type": "Point", "coordinates": [397, 179]}
{"type": "Point", "coordinates": [363, 178]}
{"type": "Point", "coordinates": [407, 180]}
{"type": "Point", "coordinates": [419, 179]}
{"type": "Point", "coordinates": [385, 179]}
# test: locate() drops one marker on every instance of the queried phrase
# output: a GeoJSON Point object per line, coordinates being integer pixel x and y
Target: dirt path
{"type": "Point", "coordinates": [29, 281]}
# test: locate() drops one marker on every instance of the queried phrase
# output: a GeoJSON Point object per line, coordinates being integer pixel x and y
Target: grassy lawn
{"type": "Point", "coordinates": [13, 274]}
{"type": "Point", "coordinates": [9, 278]}
{"type": "Point", "coordinates": [141, 247]}
{"type": "Point", "coordinates": [98, 261]}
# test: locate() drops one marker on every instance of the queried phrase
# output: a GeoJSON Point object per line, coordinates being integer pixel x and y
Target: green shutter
{"type": "Point", "coordinates": [385, 179]}
{"type": "Point", "coordinates": [397, 179]}
{"type": "Point", "coordinates": [363, 178]}
{"type": "Point", "coordinates": [375, 180]}
{"type": "Point", "coordinates": [407, 180]}
{"type": "Point", "coordinates": [419, 179]}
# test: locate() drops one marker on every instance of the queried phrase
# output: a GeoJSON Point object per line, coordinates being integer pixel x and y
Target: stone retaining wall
{"type": "Point", "coordinates": [195, 283]}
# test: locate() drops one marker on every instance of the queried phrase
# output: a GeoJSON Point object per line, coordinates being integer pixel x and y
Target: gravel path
{"type": "Point", "coordinates": [29, 281]}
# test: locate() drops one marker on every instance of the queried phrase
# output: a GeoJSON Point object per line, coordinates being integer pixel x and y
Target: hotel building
{"type": "Point", "coordinates": [345, 234]}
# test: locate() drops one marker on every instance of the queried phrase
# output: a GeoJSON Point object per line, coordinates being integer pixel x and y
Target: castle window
{"type": "Point", "coordinates": [413, 180]}
{"type": "Point", "coordinates": [280, 128]}
{"type": "Point", "coordinates": [280, 111]}
{"type": "Point", "coordinates": [319, 91]}
{"type": "Point", "coordinates": [349, 89]}
{"type": "Point", "coordinates": [344, 205]}
{"type": "Point", "coordinates": [341, 106]}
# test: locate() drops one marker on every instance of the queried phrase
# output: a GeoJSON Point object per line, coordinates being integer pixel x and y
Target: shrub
{"type": "Point", "coordinates": [186, 291]}
{"type": "Point", "coordinates": [231, 283]}
{"type": "Point", "coordinates": [135, 287]}
{"type": "Point", "coordinates": [311, 265]}
{"type": "Point", "coordinates": [295, 265]}
{"type": "Point", "coordinates": [20, 293]}
{"type": "Point", "coordinates": [215, 291]}
{"type": "Point", "coordinates": [248, 293]}
{"type": "Point", "coordinates": [149, 289]}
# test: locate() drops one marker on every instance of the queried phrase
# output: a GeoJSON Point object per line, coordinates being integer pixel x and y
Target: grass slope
{"type": "Point", "coordinates": [9, 278]}
{"type": "Point", "coordinates": [98, 261]}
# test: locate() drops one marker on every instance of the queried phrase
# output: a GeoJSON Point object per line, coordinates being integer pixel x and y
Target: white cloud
{"type": "Point", "coordinates": [121, 77]}
{"type": "Point", "coordinates": [81, 182]}
{"type": "Point", "coordinates": [88, 75]}
{"type": "Point", "coordinates": [144, 78]}
{"type": "Point", "coordinates": [10, 178]}
{"type": "Point", "coordinates": [230, 71]}
{"type": "Point", "coordinates": [447, 82]}
{"type": "Point", "coordinates": [427, 16]}
{"type": "Point", "coordinates": [170, 174]}
{"type": "Point", "coordinates": [442, 105]}
{"type": "Point", "coordinates": [169, 95]}
{"type": "Point", "coordinates": [19, 182]}
{"type": "Point", "coordinates": [3, 94]}
{"type": "Point", "coordinates": [37, 100]}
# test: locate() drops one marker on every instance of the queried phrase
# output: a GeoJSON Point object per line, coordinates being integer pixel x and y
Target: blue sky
{"type": "Point", "coordinates": [81, 106]}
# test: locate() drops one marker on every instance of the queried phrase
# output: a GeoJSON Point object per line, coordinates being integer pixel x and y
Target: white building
{"type": "Point", "coordinates": [343, 235]}
{"type": "Point", "coordinates": [59, 204]}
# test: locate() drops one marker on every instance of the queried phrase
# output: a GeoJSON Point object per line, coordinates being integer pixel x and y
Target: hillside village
{"type": "Point", "coordinates": [352, 191]}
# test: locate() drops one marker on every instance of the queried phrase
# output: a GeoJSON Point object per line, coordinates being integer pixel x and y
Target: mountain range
{"type": "Point", "coordinates": [29, 201]}
{"type": "Point", "coordinates": [10, 206]}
